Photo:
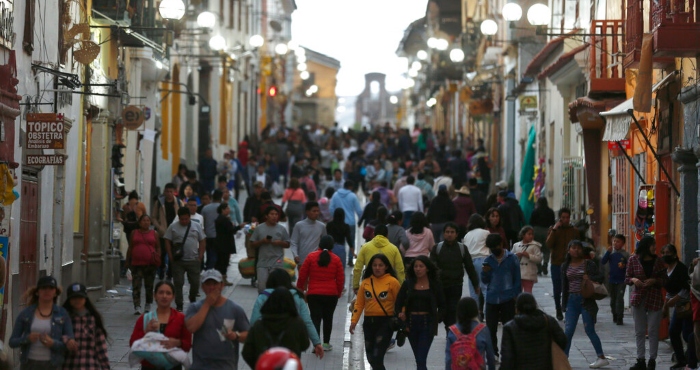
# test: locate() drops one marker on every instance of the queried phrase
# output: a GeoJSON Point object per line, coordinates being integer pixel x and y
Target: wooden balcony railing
{"type": "Point", "coordinates": [606, 72]}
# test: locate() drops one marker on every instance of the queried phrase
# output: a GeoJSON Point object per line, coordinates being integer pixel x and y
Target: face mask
{"type": "Point", "coordinates": [669, 259]}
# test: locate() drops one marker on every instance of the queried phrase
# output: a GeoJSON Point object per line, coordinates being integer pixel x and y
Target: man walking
{"type": "Point", "coordinates": [194, 216]}
{"type": "Point", "coordinates": [164, 211]}
{"type": "Point", "coordinates": [270, 239]}
{"type": "Point", "coordinates": [207, 171]}
{"type": "Point", "coordinates": [410, 200]}
{"type": "Point", "coordinates": [346, 199]}
{"type": "Point", "coordinates": [557, 241]}
{"type": "Point", "coordinates": [189, 237]}
{"type": "Point", "coordinates": [209, 213]}
{"type": "Point", "coordinates": [512, 217]}
{"type": "Point", "coordinates": [218, 326]}
{"type": "Point", "coordinates": [307, 233]}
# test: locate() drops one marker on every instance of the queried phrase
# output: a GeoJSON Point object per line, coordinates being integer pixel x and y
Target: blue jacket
{"type": "Point", "coordinates": [347, 200]}
{"type": "Point", "coordinates": [483, 344]}
{"type": "Point", "coordinates": [503, 281]}
{"type": "Point", "coordinates": [618, 265]}
{"type": "Point", "coordinates": [61, 326]}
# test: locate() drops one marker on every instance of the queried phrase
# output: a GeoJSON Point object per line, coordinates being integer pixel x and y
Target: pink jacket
{"type": "Point", "coordinates": [419, 244]}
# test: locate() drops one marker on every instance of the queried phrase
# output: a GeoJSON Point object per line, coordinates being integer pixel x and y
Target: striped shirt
{"type": "Point", "coordinates": [575, 276]}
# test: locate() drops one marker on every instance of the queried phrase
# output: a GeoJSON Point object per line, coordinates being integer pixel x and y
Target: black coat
{"type": "Point", "coordinates": [441, 210]}
{"type": "Point", "coordinates": [275, 330]}
{"type": "Point", "coordinates": [225, 231]}
{"type": "Point", "coordinates": [526, 342]}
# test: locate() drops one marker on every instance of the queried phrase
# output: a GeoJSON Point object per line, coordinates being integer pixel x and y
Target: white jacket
{"type": "Point", "coordinates": [528, 266]}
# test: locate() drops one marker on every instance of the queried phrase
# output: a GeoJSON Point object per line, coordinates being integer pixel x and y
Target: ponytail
{"type": "Point", "coordinates": [326, 244]}
{"type": "Point", "coordinates": [325, 258]}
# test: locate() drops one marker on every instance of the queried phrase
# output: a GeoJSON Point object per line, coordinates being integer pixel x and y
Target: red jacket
{"type": "Point", "coordinates": [317, 280]}
{"type": "Point", "coordinates": [174, 329]}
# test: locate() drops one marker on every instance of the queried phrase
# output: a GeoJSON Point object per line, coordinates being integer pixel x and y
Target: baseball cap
{"type": "Point", "coordinates": [77, 290]}
{"type": "Point", "coordinates": [212, 274]}
{"type": "Point", "coordinates": [502, 185]}
{"type": "Point", "coordinates": [442, 187]}
{"type": "Point", "coordinates": [46, 281]}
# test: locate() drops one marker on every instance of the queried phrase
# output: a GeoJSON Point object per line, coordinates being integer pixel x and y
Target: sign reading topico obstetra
{"type": "Point", "coordinates": [45, 131]}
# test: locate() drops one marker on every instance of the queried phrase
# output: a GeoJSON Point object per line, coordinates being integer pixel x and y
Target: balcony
{"type": "Point", "coordinates": [674, 26]}
{"type": "Point", "coordinates": [607, 75]}
{"type": "Point", "coordinates": [143, 18]}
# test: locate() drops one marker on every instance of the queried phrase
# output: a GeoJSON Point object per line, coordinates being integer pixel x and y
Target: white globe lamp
{"type": "Point", "coordinates": [539, 15]}
{"type": "Point", "coordinates": [206, 20]}
{"type": "Point", "coordinates": [457, 55]}
{"type": "Point", "coordinates": [512, 12]}
{"type": "Point", "coordinates": [256, 41]}
{"type": "Point", "coordinates": [172, 9]}
{"type": "Point", "coordinates": [422, 55]}
{"type": "Point", "coordinates": [489, 27]}
{"type": "Point", "coordinates": [217, 43]}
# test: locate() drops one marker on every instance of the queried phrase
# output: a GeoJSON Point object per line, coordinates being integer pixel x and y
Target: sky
{"type": "Point", "coordinates": [362, 34]}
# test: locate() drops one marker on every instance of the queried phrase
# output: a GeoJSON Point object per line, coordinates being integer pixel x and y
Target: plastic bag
{"type": "Point", "coordinates": [128, 275]}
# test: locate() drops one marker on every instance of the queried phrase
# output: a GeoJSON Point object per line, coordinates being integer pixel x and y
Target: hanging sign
{"type": "Point", "coordinates": [612, 145]}
{"type": "Point", "coordinates": [45, 160]}
{"type": "Point", "coordinates": [132, 116]}
{"type": "Point", "coordinates": [45, 131]}
{"type": "Point", "coordinates": [528, 102]}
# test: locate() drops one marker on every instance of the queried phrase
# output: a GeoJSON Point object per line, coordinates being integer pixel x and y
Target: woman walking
{"type": "Point", "coordinates": [369, 214]}
{"type": "Point", "coordinates": [528, 252]}
{"type": "Point", "coordinates": [468, 322]}
{"type": "Point", "coordinates": [143, 258]}
{"type": "Point", "coordinates": [495, 226]}
{"type": "Point", "coordinates": [420, 238]}
{"type": "Point", "coordinates": [441, 211]}
{"type": "Point", "coordinates": [340, 231]}
{"type": "Point", "coordinates": [541, 219]}
{"type": "Point", "coordinates": [294, 197]}
{"type": "Point", "coordinates": [647, 273]}
{"type": "Point", "coordinates": [376, 297]}
{"type": "Point", "coordinates": [575, 270]}
{"type": "Point", "coordinates": [322, 277]}
{"type": "Point", "coordinates": [224, 244]}
{"type": "Point", "coordinates": [40, 328]}
{"type": "Point", "coordinates": [678, 297]}
{"type": "Point", "coordinates": [165, 320]}
{"type": "Point", "coordinates": [420, 304]}
{"type": "Point", "coordinates": [89, 348]}
{"type": "Point", "coordinates": [527, 339]}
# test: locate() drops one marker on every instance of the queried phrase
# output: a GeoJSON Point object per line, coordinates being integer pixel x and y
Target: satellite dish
{"type": "Point", "coordinates": [276, 25]}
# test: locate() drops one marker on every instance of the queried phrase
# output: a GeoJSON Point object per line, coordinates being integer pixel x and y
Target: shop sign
{"type": "Point", "coordinates": [45, 131]}
{"type": "Point", "coordinates": [528, 102]}
{"type": "Point", "coordinates": [612, 145]}
{"type": "Point", "coordinates": [146, 113]}
{"type": "Point", "coordinates": [132, 116]}
{"type": "Point", "coordinates": [45, 160]}
{"type": "Point", "coordinates": [7, 20]}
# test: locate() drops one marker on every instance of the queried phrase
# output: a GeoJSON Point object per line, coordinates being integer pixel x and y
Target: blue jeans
{"type": "Point", "coordinates": [556, 286]}
{"type": "Point", "coordinates": [679, 330]}
{"type": "Point", "coordinates": [421, 338]}
{"type": "Point", "coordinates": [339, 250]}
{"type": "Point", "coordinates": [574, 309]}
{"type": "Point", "coordinates": [407, 219]}
{"type": "Point", "coordinates": [478, 264]}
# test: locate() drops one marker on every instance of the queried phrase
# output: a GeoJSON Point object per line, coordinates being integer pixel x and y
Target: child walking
{"type": "Point", "coordinates": [617, 256]}
{"type": "Point", "coordinates": [529, 253]}
{"type": "Point", "coordinates": [89, 348]}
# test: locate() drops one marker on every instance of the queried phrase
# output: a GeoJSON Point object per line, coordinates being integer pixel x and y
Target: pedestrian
{"type": "Point", "coordinates": [369, 214]}
{"type": "Point", "coordinates": [528, 338]}
{"type": "Point", "coordinates": [307, 233]}
{"type": "Point", "coordinates": [420, 239]}
{"type": "Point", "coordinates": [235, 214]}
{"type": "Point", "coordinates": [475, 241]}
{"type": "Point", "coordinates": [575, 270]}
{"type": "Point", "coordinates": [194, 216]}
{"type": "Point", "coordinates": [41, 328]}
{"type": "Point", "coordinates": [224, 244]}
{"type": "Point", "coordinates": [266, 201]}
{"type": "Point", "coordinates": [279, 326]}
{"type": "Point", "coordinates": [380, 219]}
{"type": "Point", "coordinates": [618, 257]}
{"type": "Point", "coordinates": [558, 239]}
{"type": "Point", "coordinates": [501, 275]}
{"type": "Point", "coordinates": [452, 258]}
{"type": "Point", "coordinates": [88, 350]}
{"type": "Point", "coordinates": [478, 196]}
{"type": "Point", "coordinates": [270, 239]}
{"type": "Point", "coordinates": [181, 175]}
{"type": "Point", "coordinates": [205, 200]}
{"type": "Point", "coordinates": [189, 193]}
{"type": "Point", "coordinates": [420, 304]}
{"type": "Point", "coordinates": [465, 208]}
{"type": "Point", "coordinates": [164, 211]}
{"type": "Point", "coordinates": [210, 214]}
{"type": "Point", "coordinates": [678, 296]}
{"type": "Point", "coordinates": [143, 259]}
{"type": "Point", "coordinates": [441, 211]}
{"type": "Point", "coordinates": [164, 320]}
{"type": "Point", "coordinates": [467, 323]}
{"type": "Point", "coordinates": [512, 218]}
{"type": "Point", "coordinates": [541, 219]}
{"type": "Point", "coordinates": [528, 252]}
{"type": "Point", "coordinates": [280, 278]}
{"type": "Point", "coordinates": [322, 277]}
{"type": "Point", "coordinates": [207, 170]}
{"type": "Point", "coordinates": [218, 326]}
{"type": "Point", "coordinates": [376, 298]}
{"type": "Point", "coordinates": [188, 237]}
{"type": "Point", "coordinates": [378, 244]}
{"type": "Point", "coordinates": [337, 182]}
{"type": "Point", "coordinates": [251, 208]}
{"type": "Point", "coordinates": [410, 200]}
{"type": "Point", "coordinates": [340, 231]}
{"type": "Point", "coordinates": [324, 205]}
{"type": "Point", "coordinates": [346, 199]}
{"type": "Point", "coordinates": [648, 274]}
{"type": "Point", "coordinates": [295, 198]}
{"type": "Point", "coordinates": [494, 225]}
{"type": "Point", "coordinates": [136, 205]}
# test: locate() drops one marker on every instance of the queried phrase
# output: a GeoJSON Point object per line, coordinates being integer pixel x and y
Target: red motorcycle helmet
{"type": "Point", "coordinates": [278, 358]}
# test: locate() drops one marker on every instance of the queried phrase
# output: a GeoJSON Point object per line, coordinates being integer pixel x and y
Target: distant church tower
{"type": "Point", "coordinates": [373, 106]}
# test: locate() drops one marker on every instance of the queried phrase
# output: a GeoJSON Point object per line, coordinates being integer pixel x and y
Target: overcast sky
{"type": "Point", "coordinates": [362, 34]}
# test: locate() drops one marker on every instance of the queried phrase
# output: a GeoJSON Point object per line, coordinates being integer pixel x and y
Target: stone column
{"type": "Point", "coordinates": [689, 201]}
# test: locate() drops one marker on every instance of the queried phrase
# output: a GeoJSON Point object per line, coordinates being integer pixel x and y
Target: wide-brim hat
{"type": "Point", "coordinates": [463, 190]}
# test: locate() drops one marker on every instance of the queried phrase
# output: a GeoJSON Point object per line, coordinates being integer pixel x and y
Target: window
{"type": "Point", "coordinates": [620, 179]}
{"type": "Point", "coordinates": [574, 187]}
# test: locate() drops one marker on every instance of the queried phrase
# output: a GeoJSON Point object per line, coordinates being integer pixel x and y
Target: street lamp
{"type": "Point", "coordinates": [256, 41]}
{"type": "Point", "coordinates": [281, 49]}
{"type": "Point", "coordinates": [206, 20]}
{"type": "Point", "coordinates": [457, 55]}
{"type": "Point", "coordinates": [489, 27]}
{"type": "Point", "coordinates": [422, 55]}
{"type": "Point", "coordinates": [304, 75]}
{"type": "Point", "coordinates": [512, 12]}
{"type": "Point", "coordinates": [301, 67]}
{"type": "Point", "coordinates": [432, 42]}
{"type": "Point", "coordinates": [431, 102]}
{"type": "Point", "coordinates": [442, 45]}
{"type": "Point", "coordinates": [301, 59]}
{"type": "Point", "coordinates": [172, 9]}
{"type": "Point", "coordinates": [393, 99]}
{"type": "Point", "coordinates": [416, 65]}
{"type": "Point", "coordinates": [217, 43]}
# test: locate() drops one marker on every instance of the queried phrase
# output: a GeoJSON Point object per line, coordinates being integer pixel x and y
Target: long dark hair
{"type": "Point", "coordinates": [382, 213]}
{"type": "Point", "coordinates": [280, 278]}
{"type": "Point", "coordinates": [418, 223]}
{"type": "Point", "coordinates": [476, 222]}
{"type": "Point", "coordinates": [567, 259]}
{"type": "Point", "coordinates": [280, 301]}
{"type": "Point", "coordinates": [325, 244]}
{"type": "Point", "coordinates": [99, 323]}
{"type": "Point", "coordinates": [395, 218]}
{"type": "Point", "coordinates": [644, 247]}
{"type": "Point", "coordinates": [376, 197]}
{"type": "Point", "coordinates": [488, 216]}
{"type": "Point", "coordinates": [429, 265]}
{"type": "Point", "coordinates": [339, 215]}
{"type": "Point", "coordinates": [467, 311]}
{"type": "Point", "coordinates": [389, 268]}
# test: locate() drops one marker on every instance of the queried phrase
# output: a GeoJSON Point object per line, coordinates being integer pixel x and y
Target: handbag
{"type": "Point", "coordinates": [684, 310]}
{"type": "Point", "coordinates": [592, 289]}
{"type": "Point", "coordinates": [559, 359]}
{"type": "Point", "coordinates": [178, 249]}
{"type": "Point", "coordinates": [394, 322]}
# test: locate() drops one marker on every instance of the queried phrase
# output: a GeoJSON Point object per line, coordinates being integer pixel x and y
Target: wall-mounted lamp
{"type": "Point", "coordinates": [206, 20]}
{"type": "Point", "coordinates": [256, 41]}
{"type": "Point", "coordinates": [172, 9]}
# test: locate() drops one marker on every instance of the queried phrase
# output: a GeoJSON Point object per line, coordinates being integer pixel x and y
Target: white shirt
{"type": "Point", "coordinates": [195, 218]}
{"type": "Point", "coordinates": [261, 178]}
{"type": "Point", "coordinates": [475, 241]}
{"type": "Point", "coordinates": [410, 199]}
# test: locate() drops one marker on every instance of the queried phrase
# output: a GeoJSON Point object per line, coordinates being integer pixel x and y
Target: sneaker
{"type": "Point", "coordinates": [392, 344]}
{"type": "Point", "coordinates": [147, 308]}
{"type": "Point", "coordinates": [137, 310]}
{"type": "Point", "coordinates": [560, 315]}
{"type": "Point", "coordinates": [640, 365]}
{"type": "Point", "coordinates": [350, 263]}
{"type": "Point", "coordinates": [327, 347]}
{"type": "Point", "coordinates": [600, 362]}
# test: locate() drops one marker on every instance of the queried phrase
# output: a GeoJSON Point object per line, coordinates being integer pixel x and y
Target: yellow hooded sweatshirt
{"type": "Point", "coordinates": [386, 288]}
{"type": "Point", "coordinates": [379, 244]}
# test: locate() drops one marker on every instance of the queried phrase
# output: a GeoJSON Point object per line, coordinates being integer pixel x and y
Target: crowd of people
{"type": "Point", "coordinates": [429, 222]}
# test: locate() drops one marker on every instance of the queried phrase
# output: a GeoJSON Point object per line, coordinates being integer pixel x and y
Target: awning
{"type": "Point", "coordinates": [617, 122]}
